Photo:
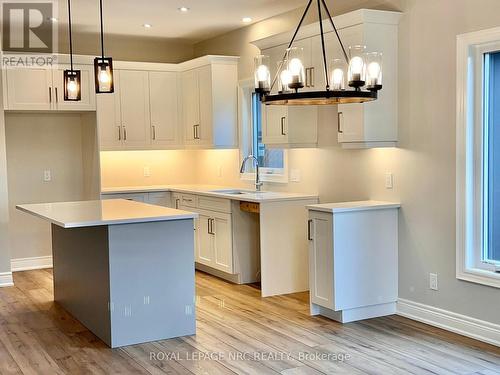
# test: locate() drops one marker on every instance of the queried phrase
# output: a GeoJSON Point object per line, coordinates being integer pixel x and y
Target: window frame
{"type": "Point", "coordinates": [246, 135]}
{"type": "Point", "coordinates": [470, 152]}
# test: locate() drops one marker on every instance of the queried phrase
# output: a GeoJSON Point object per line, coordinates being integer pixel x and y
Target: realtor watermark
{"type": "Point", "coordinates": [29, 34]}
{"type": "Point", "coordinates": [248, 356]}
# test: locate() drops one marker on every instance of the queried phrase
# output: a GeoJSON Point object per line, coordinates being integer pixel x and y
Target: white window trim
{"type": "Point", "coordinates": [266, 174]}
{"type": "Point", "coordinates": [469, 179]}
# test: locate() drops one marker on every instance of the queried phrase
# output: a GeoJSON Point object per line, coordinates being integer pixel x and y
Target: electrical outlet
{"type": "Point", "coordinates": [295, 175]}
{"type": "Point", "coordinates": [47, 176]}
{"type": "Point", "coordinates": [433, 281]}
{"type": "Point", "coordinates": [147, 172]}
{"type": "Point", "coordinates": [389, 180]}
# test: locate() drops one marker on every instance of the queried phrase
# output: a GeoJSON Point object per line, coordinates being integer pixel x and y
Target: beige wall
{"type": "Point", "coordinates": [38, 142]}
{"type": "Point", "coordinates": [423, 165]}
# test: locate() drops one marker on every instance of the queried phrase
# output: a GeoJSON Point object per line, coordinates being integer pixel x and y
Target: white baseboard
{"type": "Point", "coordinates": [6, 279]}
{"type": "Point", "coordinates": [471, 327]}
{"type": "Point", "coordinates": [34, 263]}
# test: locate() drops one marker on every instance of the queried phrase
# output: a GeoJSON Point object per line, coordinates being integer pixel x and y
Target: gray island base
{"type": "Point", "coordinates": [129, 282]}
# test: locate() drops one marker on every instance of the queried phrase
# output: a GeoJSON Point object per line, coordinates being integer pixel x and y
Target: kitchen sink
{"type": "Point", "coordinates": [234, 191]}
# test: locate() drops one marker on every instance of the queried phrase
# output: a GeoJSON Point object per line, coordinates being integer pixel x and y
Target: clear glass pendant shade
{"type": "Point", "coordinates": [72, 85]}
{"type": "Point", "coordinates": [262, 74]}
{"type": "Point", "coordinates": [337, 74]}
{"type": "Point", "coordinates": [357, 69]}
{"type": "Point", "coordinates": [374, 71]}
{"type": "Point", "coordinates": [296, 67]}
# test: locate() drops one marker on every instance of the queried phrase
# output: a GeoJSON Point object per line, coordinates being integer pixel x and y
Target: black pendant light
{"type": "Point", "coordinates": [103, 66]}
{"type": "Point", "coordinates": [364, 73]}
{"type": "Point", "coordinates": [71, 77]}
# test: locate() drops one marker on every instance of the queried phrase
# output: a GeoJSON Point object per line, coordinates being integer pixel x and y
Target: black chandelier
{"type": "Point", "coordinates": [364, 73]}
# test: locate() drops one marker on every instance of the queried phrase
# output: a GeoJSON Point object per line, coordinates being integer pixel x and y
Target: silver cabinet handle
{"type": "Point", "coordinates": [119, 133]}
{"type": "Point", "coordinates": [50, 94]}
{"type": "Point", "coordinates": [311, 77]}
{"type": "Point", "coordinates": [307, 77]}
{"type": "Point", "coordinates": [196, 132]}
{"type": "Point", "coordinates": [154, 132]}
{"type": "Point", "coordinates": [212, 221]}
{"type": "Point", "coordinates": [283, 120]}
{"type": "Point", "coordinates": [57, 96]}
{"type": "Point", "coordinates": [309, 231]}
{"type": "Point", "coordinates": [340, 116]}
{"type": "Point", "coordinates": [177, 200]}
{"type": "Point", "coordinates": [124, 133]}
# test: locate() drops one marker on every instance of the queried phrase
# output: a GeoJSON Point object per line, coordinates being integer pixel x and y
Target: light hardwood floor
{"type": "Point", "coordinates": [237, 332]}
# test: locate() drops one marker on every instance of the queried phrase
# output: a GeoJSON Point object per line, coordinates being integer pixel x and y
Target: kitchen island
{"type": "Point", "coordinates": [124, 269]}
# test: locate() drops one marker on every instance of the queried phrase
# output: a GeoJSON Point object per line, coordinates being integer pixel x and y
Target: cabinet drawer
{"type": "Point", "coordinates": [214, 204]}
{"type": "Point", "coordinates": [188, 200]}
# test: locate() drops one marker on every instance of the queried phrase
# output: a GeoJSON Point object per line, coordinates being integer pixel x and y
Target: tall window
{"type": "Point", "coordinates": [478, 157]}
{"type": "Point", "coordinates": [491, 203]}
{"type": "Point", "coordinates": [272, 161]}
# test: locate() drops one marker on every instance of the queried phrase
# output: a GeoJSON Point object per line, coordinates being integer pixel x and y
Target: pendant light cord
{"type": "Point", "coordinates": [323, 46]}
{"type": "Point", "coordinates": [70, 36]}
{"type": "Point", "coordinates": [336, 32]}
{"type": "Point", "coordinates": [102, 29]}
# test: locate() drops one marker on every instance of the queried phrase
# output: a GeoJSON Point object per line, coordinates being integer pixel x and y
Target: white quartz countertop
{"type": "Point", "coordinates": [102, 212]}
{"type": "Point", "coordinates": [353, 206]}
{"type": "Point", "coordinates": [214, 191]}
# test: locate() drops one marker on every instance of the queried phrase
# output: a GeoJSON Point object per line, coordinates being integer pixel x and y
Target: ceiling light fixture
{"type": "Point", "coordinates": [183, 9]}
{"type": "Point", "coordinates": [103, 66]}
{"type": "Point", "coordinates": [71, 77]}
{"type": "Point", "coordinates": [364, 73]}
{"type": "Point", "coordinates": [246, 19]}
{"type": "Point", "coordinates": [147, 25]}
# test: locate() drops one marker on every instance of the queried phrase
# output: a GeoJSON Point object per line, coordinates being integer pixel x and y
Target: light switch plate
{"type": "Point", "coordinates": [295, 175]}
{"type": "Point", "coordinates": [47, 175]}
{"type": "Point", "coordinates": [433, 281]}
{"type": "Point", "coordinates": [389, 180]}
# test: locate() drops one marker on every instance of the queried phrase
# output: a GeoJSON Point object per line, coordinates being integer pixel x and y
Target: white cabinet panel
{"type": "Point", "coordinates": [88, 99]}
{"type": "Point", "coordinates": [163, 102]}
{"type": "Point", "coordinates": [29, 89]}
{"type": "Point", "coordinates": [222, 242]}
{"type": "Point", "coordinates": [190, 105]}
{"type": "Point", "coordinates": [134, 104]}
{"type": "Point", "coordinates": [205, 240]}
{"type": "Point", "coordinates": [109, 118]}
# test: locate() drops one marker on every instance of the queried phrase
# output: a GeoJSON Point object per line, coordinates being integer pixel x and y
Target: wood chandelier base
{"type": "Point", "coordinates": [330, 97]}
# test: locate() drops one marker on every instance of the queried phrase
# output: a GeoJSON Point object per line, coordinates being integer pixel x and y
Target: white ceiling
{"type": "Point", "coordinates": [205, 19]}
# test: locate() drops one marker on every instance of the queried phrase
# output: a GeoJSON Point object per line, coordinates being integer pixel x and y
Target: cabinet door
{"type": "Point", "coordinates": [88, 101]}
{"type": "Point", "coordinates": [190, 105]}
{"type": "Point", "coordinates": [134, 104]}
{"type": "Point", "coordinates": [109, 118]}
{"type": "Point", "coordinates": [222, 242]}
{"type": "Point", "coordinates": [29, 89]}
{"type": "Point", "coordinates": [275, 124]}
{"type": "Point", "coordinates": [205, 240]}
{"type": "Point", "coordinates": [351, 116]}
{"type": "Point", "coordinates": [204, 132]}
{"type": "Point", "coordinates": [163, 95]}
{"type": "Point", "coordinates": [321, 259]}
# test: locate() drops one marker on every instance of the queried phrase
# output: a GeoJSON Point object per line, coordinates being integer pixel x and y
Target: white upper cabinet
{"type": "Point", "coordinates": [290, 126]}
{"type": "Point", "coordinates": [40, 89]}
{"type": "Point", "coordinates": [134, 104]}
{"type": "Point", "coordinates": [373, 124]}
{"type": "Point", "coordinates": [87, 102]}
{"type": "Point", "coordinates": [164, 108]}
{"type": "Point", "coordinates": [209, 104]}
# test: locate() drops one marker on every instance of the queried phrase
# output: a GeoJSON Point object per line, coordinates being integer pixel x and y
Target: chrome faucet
{"type": "Point", "coordinates": [258, 182]}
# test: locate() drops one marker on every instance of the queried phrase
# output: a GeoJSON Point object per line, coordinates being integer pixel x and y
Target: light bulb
{"type": "Point", "coordinates": [72, 87]}
{"type": "Point", "coordinates": [262, 73]}
{"type": "Point", "coordinates": [295, 66]}
{"type": "Point", "coordinates": [286, 77]}
{"type": "Point", "coordinates": [374, 70]}
{"type": "Point", "coordinates": [337, 79]}
{"type": "Point", "coordinates": [104, 77]}
{"type": "Point", "coordinates": [356, 65]}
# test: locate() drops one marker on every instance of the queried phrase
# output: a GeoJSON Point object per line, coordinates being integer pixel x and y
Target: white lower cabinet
{"type": "Point", "coordinates": [162, 198]}
{"type": "Point", "coordinates": [353, 261]}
